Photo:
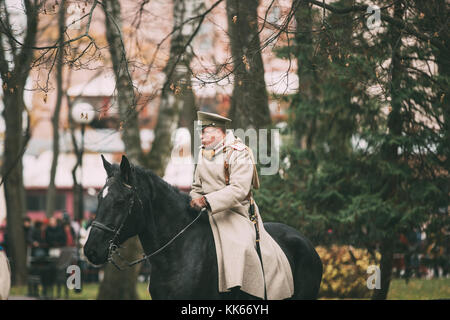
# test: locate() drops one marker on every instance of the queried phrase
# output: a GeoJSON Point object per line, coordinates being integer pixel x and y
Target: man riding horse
{"type": "Point", "coordinates": [248, 258]}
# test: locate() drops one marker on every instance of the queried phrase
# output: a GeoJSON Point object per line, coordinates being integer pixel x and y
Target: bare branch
{"type": "Point", "coordinates": [57, 44]}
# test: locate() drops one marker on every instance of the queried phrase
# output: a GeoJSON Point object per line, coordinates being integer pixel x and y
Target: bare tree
{"type": "Point", "coordinates": [77, 188]}
{"type": "Point", "coordinates": [307, 73]}
{"type": "Point", "coordinates": [176, 93]}
{"type": "Point", "coordinates": [121, 285]}
{"type": "Point", "coordinates": [249, 103]}
{"type": "Point", "coordinates": [390, 150]}
{"type": "Point", "coordinates": [51, 191]}
{"type": "Point", "coordinates": [15, 64]}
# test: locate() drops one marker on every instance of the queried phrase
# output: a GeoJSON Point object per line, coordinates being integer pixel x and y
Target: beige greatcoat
{"type": "Point", "coordinates": [234, 233]}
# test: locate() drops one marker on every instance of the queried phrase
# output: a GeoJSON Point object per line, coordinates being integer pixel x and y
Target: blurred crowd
{"type": "Point", "coordinates": [41, 236]}
{"type": "Point", "coordinates": [423, 254]}
{"type": "Point", "coordinates": [53, 244]}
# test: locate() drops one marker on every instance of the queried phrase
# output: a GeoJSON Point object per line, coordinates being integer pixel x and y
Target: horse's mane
{"type": "Point", "coordinates": [158, 187]}
{"type": "Point", "coordinates": [161, 185]}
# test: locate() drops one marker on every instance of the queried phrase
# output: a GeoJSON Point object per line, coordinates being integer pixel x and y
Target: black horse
{"type": "Point", "coordinates": [135, 201]}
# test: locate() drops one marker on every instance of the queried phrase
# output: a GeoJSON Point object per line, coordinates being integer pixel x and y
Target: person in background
{"type": "Point", "coordinates": [27, 227]}
{"type": "Point", "coordinates": [69, 233]}
{"type": "Point", "coordinates": [55, 235]}
{"type": "Point", "coordinates": [39, 246]}
{"type": "Point", "coordinates": [66, 217]}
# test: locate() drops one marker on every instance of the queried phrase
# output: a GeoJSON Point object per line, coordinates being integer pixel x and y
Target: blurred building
{"type": "Point", "coordinates": [90, 80]}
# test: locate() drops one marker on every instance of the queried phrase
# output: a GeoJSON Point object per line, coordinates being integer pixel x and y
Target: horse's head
{"type": "Point", "coordinates": [116, 218]}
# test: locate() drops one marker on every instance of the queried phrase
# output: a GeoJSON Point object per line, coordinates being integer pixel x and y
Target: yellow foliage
{"type": "Point", "coordinates": [345, 276]}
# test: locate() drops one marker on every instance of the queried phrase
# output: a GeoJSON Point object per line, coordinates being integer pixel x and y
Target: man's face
{"type": "Point", "coordinates": [52, 222]}
{"type": "Point", "coordinates": [211, 136]}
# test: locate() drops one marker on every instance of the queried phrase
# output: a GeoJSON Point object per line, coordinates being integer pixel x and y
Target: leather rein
{"type": "Point", "coordinates": [113, 247]}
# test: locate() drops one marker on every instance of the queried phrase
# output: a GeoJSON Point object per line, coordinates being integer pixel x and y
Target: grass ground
{"type": "Point", "coordinates": [419, 289]}
{"type": "Point", "coordinates": [415, 289]}
{"type": "Point", "coordinates": [88, 292]}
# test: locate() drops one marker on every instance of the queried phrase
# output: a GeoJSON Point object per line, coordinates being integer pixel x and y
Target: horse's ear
{"type": "Point", "coordinates": [107, 166]}
{"type": "Point", "coordinates": [125, 170]}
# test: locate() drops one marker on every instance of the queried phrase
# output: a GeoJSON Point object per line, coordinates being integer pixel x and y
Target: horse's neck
{"type": "Point", "coordinates": [164, 218]}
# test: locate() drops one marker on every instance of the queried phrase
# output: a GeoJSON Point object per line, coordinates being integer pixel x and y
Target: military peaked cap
{"type": "Point", "coordinates": [208, 119]}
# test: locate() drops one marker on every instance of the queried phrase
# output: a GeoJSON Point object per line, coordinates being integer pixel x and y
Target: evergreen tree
{"type": "Point", "coordinates": [370, 147]}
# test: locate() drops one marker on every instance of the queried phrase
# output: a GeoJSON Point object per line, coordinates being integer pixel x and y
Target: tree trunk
{"type": "Point", "coordinates": [14, 188]}
{"type": "Point", "coordinates": [51, 191]}
{"type": "Point", "coordinates": [386, 264]}
{"type": "Point", "coordinates": [390, 149]}
{"type": "Point", "coordinates": [77, 189]}
{"type": "Point", "coordinates": [15, 142]}
{"type": "Point", "coordinates": [121, 285]}
{"type": "Point", "coordinates": [126, 98]}
{"type": "Point", "coordinates": [188, 113]}
{"type": "Point", "coordinates": [443, 63]}
{"type": "Point", "coordinates": [176, 95]}
{"type": "Point", "coordinates": [305, 127]}
{"type": "Point", "coordinates": [249, 102]}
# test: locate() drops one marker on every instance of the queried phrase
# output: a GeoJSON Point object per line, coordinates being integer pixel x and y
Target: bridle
{"type": "Point", "coordinates": [113, 247]}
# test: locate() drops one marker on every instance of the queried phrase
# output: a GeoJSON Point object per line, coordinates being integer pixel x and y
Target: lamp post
{"type": "Point", "coordinates": [82, 113]}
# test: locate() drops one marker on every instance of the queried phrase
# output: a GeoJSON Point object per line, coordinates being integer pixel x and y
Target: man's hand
{"type": "Point", "coordinates": [199, 203]}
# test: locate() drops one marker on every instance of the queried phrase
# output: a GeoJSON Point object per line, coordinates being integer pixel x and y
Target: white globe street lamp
{"type": "Point", "coordinates": [83, 113]}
